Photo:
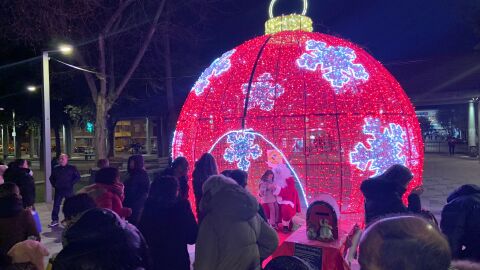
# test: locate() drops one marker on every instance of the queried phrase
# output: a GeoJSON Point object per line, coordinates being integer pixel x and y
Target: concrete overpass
{"type": "Point", "coordinates": [444, 80]}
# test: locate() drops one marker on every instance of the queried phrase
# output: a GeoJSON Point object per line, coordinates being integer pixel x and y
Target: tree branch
{"type": "Point", "coordinates": [141, 52]}
{"type": "Point", "coordinates": [116, 15]}
{"type": "Point", "coordinates": [88, 77]}
{"type": "Point", "coordinates": [101, 64]}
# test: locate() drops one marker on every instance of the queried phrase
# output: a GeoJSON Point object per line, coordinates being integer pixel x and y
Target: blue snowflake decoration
{"type": "Point", "coordinates": [336, 63]}
{"type": "Point", "coordinates": [241, 149]}
{"type": "Point", "coordinates": [385, 147]}
{"type": "Point", "coordinates": [217, 68]}
{"type": "Point", "coordinates": [263, 92]}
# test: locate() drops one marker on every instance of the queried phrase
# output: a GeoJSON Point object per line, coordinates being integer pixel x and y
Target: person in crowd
{"type": "Point", "coordinates": [103, 163]}
{"type": "Point", "coordinates": [383, 193]}
{"type": "Point", "coordinates": [451, 145]}
{"type": "Point", "coordinates": [179, 169]}
{"type": "Point", "coordinates": [100, 239]}
{"type": "Point", "coordinates": [3, 168]}
{"type": "Point", "coordinates": [63, 178]}
{"type": "Point", "coordinates": [465, 265]}
{"type": "Point", "coordinates": [232, 235]}
{"type": "Point", "coordinates": [289, 203]}
{"type": "Point", "coordinates": [26, 255]}
{"type": "Point", "coordinates": [461, 222]}
{"type": "Point", "coordinates": [241, 177]}
{"type": "Point", "coordinates": [403, 242]}
{"type": "Point", "coordinates": [108, 191]}
{"type": "Point", "coordinates": [204, 168]}
{"type": "Point", "coordinates": [226, 173]}
{"type": "Point", "coordinates": [16, 223]}
{"type": "Point", "coordinates": [269, 200]}
{"type": "Point", "coordinates": [19, 173]}
{"type": "Point", "coordinates": [75, 206]}
{"type": "Point", "coordinates": [136, 187]}
{"type": "Point", "coordinates": [54, 163]}
{"type": "Point", "coordinates": [168, 225]}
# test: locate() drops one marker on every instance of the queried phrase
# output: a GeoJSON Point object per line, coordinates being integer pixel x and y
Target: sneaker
{"type": "Point", "coordinates": [54, 223]}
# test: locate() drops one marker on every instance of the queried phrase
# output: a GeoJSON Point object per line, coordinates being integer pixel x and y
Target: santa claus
{"type": "Point", "coordinates": [287, 196]}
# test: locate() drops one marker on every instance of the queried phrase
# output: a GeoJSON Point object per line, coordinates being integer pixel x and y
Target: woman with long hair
{"type": "Point", "coordinates": [204, 168]}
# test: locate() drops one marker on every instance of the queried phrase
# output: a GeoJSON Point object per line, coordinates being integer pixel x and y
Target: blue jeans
{"type": "Point", "coordinates": [57, 201]}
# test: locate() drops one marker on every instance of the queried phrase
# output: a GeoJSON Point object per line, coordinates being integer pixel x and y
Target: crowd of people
{"type": "Point", "coordinates": [143, 224]}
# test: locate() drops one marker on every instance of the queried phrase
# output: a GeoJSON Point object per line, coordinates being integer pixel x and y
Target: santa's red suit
{"type": "Point", "coordinates": [289, 202]}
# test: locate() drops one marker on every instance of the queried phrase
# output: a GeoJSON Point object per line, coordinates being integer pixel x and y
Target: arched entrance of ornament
{"type": "Point", "coordinates": [256, 135]}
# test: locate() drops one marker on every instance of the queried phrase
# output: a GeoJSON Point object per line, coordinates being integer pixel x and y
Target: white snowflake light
{"type": "Point", "coordinates": [336, 63]}
{"type": "Point", "coordinates": [177, 144]}
{"type": "Point", "coordinates": [385, 147]}
{"type": "Point", "coordinates": [242, 149]}
{"type": "Point", "coordinates": [217, 68]}
{"type": "Point", "coordinates": [263, 92]}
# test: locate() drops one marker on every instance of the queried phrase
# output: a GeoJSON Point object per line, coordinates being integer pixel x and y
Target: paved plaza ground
{"type": "Point", "coordinates": [442, 174]}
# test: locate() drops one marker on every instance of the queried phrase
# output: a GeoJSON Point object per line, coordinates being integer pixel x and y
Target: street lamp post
{"type": "Point", "coordinates": [47, 154]}
{"type": "Point", "coordinates": [14, 135]}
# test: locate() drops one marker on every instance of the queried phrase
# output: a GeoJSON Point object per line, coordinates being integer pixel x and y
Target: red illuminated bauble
{"type": "Point", "coordinates": [318, 104]}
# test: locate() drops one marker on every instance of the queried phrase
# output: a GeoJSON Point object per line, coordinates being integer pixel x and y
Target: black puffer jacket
{"type": "Point", "coordinates": [101, 240]}
{"type": "Point", "coordinates": [461, 222]}
{"type": "Point", "coordinates": [63, 178]}
{"type": "Point", "coordinates": [22, 178]}
{"type": "Point", "coordinates": [168, 227]}
{"type": "Point", "coordinates": [383, 194]}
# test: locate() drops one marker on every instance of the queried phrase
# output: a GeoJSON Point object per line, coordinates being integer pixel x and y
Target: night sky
{"type": "Point", "coordinates": [395, 32]}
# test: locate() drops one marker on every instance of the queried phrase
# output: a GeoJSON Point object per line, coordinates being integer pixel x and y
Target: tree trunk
{"type": "Point", "coordinates": [172, 115]}
{"type": "Point", "coordinates": [69, 140]}
{"type": "Point", "coordinates": [31, 148]}
{"type": "Point", "coordinates": [58, 143]}
{"type": "Point", "coordinates": [163, 139]}
{"type": "Point", "coordinates": [101, 127]}
{"type": "Point", "coordinates": [111, 138]}
{"type": "Point", "coordinates": [18, 147]}
{"type": "Point", "coordinates": [41, 152]}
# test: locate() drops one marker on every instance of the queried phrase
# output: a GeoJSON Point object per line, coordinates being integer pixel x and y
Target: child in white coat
{"type": "Point", "coordinates": [269, 200]}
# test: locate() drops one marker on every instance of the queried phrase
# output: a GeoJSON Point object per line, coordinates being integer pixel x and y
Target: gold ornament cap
{"type": "Point", "coordinates": [288, 22]}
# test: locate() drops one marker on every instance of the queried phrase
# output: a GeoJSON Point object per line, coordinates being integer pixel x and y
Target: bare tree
{"type": "Point", "coordinates": [112, 33]}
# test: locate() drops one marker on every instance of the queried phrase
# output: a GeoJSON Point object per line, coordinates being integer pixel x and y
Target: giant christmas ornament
{"type": "Point", "coordinates": [318, 104]}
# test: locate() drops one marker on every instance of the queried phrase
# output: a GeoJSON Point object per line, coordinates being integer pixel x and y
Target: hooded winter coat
{"type": "Point", "coordinates": [109, 197]}
{"type": "Point", "coordinates": [136, 188]}
{"type": "Point", "coordinates": [383, 194]}
{"type": "Point", "coordinates": [168, 227]}
{"type": "Point", "coordinates": [16, 223]}
{"type": "Point", "coordinates": [99, 239]}
{"type": "Point", "coordinates": [461, 222]}
{"type": "Point", "coordinates": [23, 179]}
{"type": "Point", "coordinates": [232, 235]}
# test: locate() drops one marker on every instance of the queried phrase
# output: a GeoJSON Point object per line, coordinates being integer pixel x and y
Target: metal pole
{"type": "Point", "coordinates": [478, 119]}
{"type": "Point", "coordinates": [64, 139]}
{"type": "Point", "coordinates": [3, 146]}
{"type": "Point", "coordinates": [14, 135]}
{"type": "Point", "coordinates": [472, 132]}
{"type": "Point", "coordinates": [148, 143]}
{"type": "Point", "coordinates": [47, 154]}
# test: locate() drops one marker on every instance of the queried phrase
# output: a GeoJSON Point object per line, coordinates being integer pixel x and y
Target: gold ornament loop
{"type": "Point", "coordinates": [272, 4]}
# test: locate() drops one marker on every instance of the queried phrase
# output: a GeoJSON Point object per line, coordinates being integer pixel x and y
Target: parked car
{"type": "Point", "coordinates": [79, 149]}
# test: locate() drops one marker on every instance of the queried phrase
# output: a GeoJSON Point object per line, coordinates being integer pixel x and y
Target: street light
{"type": "Point", "coordinates": [65, 49]}
{"type": "Point", "coordinates": [47, 155]}
{"type": "Point", "coordinates": [31, 88]}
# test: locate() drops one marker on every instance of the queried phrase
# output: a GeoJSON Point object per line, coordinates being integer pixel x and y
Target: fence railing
{"type": "Point", "coordinates": [442, 147]}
